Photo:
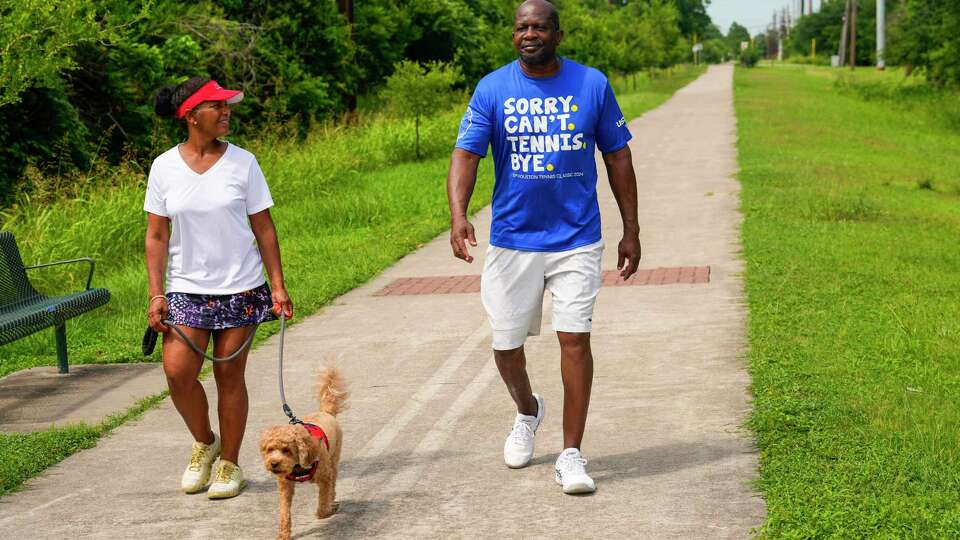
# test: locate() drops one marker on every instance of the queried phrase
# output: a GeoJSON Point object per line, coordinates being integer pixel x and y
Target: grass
{"type": "Point", "coordinates": [852, 215]}
{"type": "Point", "coordinates": [349, 202]}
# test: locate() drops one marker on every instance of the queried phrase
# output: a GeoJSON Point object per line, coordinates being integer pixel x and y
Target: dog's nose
{"type": "Point", "coordinates": [274, 465]}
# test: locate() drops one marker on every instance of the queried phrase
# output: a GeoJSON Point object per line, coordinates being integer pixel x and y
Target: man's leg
{"type": "Point", "coordinates": [576, 370]}
{"type": "Point", "coordinates": [513, 370]}
{"type": "Point", "coordinates": [574, 279]}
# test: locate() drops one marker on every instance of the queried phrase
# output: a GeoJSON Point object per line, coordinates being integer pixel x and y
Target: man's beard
{"type": "Point", "coordinates": [543, 57]}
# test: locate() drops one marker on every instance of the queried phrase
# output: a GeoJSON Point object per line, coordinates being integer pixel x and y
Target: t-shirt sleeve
{"type": "Point", "coordinates": [154, 201]}
{"type": "Point", "coordinates": [258, 194]}
{"type": "Point", "coordinates": [612, 132]}
{"type": "Point", "coordinates": [477, 124]}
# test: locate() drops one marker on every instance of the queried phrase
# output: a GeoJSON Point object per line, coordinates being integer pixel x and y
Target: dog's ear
{"type": "Point", "coordinates": [305, 448]}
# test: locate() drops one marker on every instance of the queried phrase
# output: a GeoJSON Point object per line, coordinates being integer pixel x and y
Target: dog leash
{"type": "Point", "coordinates": [210, 357]}
{"type": "Point", "coordinates": [151, 335]}
{"type": "Point", "coordinates": [150, 338]}
{"type": "Point", "coordinates": [283, 398]}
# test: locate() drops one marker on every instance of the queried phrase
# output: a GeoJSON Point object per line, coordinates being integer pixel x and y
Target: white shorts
{"type": "Point", "coordinates": [512, 291]}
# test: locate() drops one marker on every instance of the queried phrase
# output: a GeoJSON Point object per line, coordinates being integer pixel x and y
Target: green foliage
{"type": "Point", "coordinates": [693, 17]}
{"type": "Point", "coordinates": [737, 35]}
{"type": "Point", "coordinates": [716, 51]}
{"type": "Point", "coordinates": [420, 90]}
{"type": "Point", "coordinates": [749, 57]}
{"type": "Point", "coordinates": [84, 74]}
{"type": "Point", "coordinates": [35, 40]}
{"type": "Point", "coordinates": [926, 34]}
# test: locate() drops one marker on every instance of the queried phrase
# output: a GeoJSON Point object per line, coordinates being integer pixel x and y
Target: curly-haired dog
{"type": "Point", "coordinates": [308, 452]}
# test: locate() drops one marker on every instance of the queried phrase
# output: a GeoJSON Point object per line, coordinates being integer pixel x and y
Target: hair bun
{"type": "Point", "coordinates": [163, 102]}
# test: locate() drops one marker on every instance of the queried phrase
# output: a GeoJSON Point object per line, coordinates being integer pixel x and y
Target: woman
{"type": "Point", "coordinates": [215, 199]}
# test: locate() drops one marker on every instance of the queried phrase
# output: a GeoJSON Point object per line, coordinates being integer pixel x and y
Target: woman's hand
{"type": "Point", "coordinates": [282, 302]}
{"type": "Point", "coordinates": [156, 313]}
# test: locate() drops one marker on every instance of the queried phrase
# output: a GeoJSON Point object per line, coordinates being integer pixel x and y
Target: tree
{"type": "Point", "coordinates": [694, 19]}
{"type": "Point", "coordinates": [925, 34]}
{"type": "Point", "coordinates": [36, 38]}
{"type": "Point", "coordinates": [737, 35]}
{"type": "Point", "coordinates": [415, 90]}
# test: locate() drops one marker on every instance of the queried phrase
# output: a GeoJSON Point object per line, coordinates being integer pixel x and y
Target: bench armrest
{"type": "Point", "coordinates": [57, 263]}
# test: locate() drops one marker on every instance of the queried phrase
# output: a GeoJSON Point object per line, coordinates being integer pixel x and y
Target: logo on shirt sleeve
{"type": "Point", "coordinates": [621, 122]}
{"type": "Point", "coordinates": [465, 123]}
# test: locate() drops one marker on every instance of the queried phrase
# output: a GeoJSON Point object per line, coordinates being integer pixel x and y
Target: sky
{"type": "Point", "coordinates": [754, 14]}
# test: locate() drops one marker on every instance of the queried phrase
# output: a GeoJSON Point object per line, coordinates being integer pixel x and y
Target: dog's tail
{"type": "Point", "coordinates": [331, 390]}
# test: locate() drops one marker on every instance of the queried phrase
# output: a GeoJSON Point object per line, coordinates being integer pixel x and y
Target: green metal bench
{"type": "Point", "coordinates": [24, 311]}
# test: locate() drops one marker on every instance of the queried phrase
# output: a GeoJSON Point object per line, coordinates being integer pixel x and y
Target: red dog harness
{"type": "Point", "coordinates": [299, 474]}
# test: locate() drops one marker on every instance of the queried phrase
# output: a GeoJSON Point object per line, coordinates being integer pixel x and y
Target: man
{"type": "Point", "coordinates": [543, 115]}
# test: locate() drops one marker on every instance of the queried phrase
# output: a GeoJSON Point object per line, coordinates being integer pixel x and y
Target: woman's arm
{"type": "Point", "coordinates": [266, 233]}
{"type": "Point", "coordinates": [156, 245]}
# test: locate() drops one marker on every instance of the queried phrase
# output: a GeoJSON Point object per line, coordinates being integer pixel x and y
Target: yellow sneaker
{"type": "Point", "coordinates": [197, 473]}
{"type": "Point", "coordinates": [228, 482]}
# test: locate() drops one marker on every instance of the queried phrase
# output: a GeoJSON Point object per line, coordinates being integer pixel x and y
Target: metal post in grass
{"type": "Point", "coordinates": [881, 33]}
{"type": "Point", "coordinates": [61, 333]}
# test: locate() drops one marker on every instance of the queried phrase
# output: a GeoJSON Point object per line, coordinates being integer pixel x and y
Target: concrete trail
{"type": "Point", "coordinates": [423, 436]}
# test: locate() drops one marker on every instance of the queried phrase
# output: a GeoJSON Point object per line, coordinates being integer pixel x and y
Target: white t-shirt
{"type": "Point", "coordinates": [212, 248]}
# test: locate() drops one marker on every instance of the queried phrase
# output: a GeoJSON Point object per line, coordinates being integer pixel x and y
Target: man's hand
{"type": "Point", "coordinates": [461, 232]}
{"type": "Point", "coordinates": [628, 251]}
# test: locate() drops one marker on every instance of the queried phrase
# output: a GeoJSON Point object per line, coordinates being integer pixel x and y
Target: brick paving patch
{"type": "Point", "coordinates": [611, 278]}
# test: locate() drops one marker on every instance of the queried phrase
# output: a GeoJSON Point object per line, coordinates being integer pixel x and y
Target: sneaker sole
{"type": "Point", "coordinates": [217, 496]}
{"type": "Point", "coordinates": [520, 466]}
{"type": "Point", "coordinates": [200, 487]}
{"type": "Point", "coordinates": [574, 489]}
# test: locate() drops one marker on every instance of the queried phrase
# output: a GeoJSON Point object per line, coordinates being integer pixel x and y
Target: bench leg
{"type": "Point", "coordinates": [62, 348]}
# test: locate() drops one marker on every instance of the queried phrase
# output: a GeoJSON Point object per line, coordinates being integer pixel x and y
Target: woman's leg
{"type": "Point", "coordinates": [182, 366]}
{"type": "Point", "coordinates": [231, 389]}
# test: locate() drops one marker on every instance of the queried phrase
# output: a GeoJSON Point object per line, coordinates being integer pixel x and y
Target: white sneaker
{"type": "Point", "coordinates": [572, 473]}
{"type": "Point", "coordinates": [228, 481]}
{"type": "Point", "coordinates": [518, 448]}
{"type": "Point", "coordinates": [197, 473]}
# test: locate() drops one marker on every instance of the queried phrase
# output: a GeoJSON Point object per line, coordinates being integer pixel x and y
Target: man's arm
{"type": "Point", "coordinates": [623, 182]}
{"type": "Point", "coordinates": [461, 180]}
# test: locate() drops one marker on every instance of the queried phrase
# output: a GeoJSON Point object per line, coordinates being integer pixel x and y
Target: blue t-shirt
{"type": "Point", "coordinates": [543, 132]}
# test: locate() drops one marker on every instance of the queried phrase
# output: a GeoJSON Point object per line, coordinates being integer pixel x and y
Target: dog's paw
{"type": "Point", "coordinates": [323, 513]}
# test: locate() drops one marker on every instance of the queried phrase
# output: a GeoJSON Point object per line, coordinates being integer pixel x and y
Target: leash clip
{"type": "Point", "coordinates": [289, 412]}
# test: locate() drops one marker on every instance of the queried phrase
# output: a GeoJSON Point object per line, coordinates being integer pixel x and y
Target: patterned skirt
{"type": "Point", "coordinates": [221, 311]}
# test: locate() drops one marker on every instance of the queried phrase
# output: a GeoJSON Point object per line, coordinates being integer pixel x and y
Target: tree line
{"type": "Point", "coordinates": [922, 36]}
{"type": "Point", "coordinates": [77, 76]}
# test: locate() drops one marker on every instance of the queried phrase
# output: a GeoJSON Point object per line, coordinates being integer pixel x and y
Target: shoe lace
{"type": "Point", "coordinates": [522, 433]}
{"type": "Point", "coordinates": [575, 465]}
{"type": "Point", "coordinates": [224, 472]}
{"type": "Point", "coordinates": [196, 456]}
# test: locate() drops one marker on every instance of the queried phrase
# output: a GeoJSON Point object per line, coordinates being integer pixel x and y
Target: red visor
{"type": "Point", "coordinates": [212, 91]}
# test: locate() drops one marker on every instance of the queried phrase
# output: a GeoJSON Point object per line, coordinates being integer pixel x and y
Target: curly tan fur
{"type": "Point", "coordinates": [285, 446]}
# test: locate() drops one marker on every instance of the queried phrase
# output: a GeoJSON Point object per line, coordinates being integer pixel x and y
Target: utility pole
{"type": "Point", "coordinates": [780, 32]}
{"type": "Point", "coordinates": [881, 34]}
{"type": "Point", "coordinates": [853, 34]}
{"type": "Point", "coordinates": [843, 34]}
